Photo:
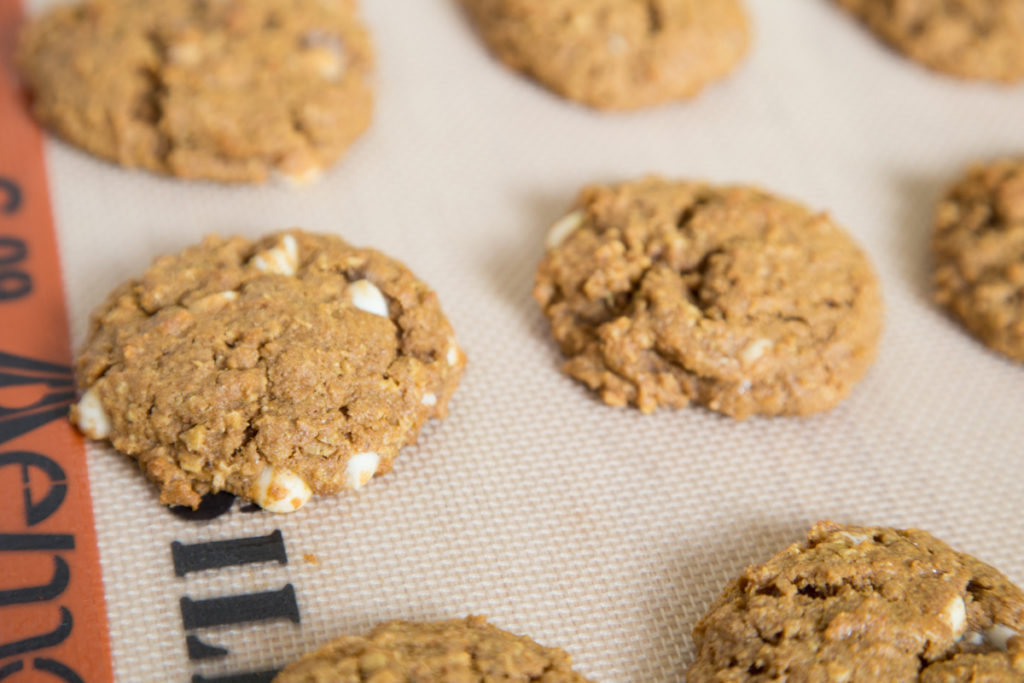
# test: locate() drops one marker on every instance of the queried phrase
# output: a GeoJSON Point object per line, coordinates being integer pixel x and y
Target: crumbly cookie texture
{"type": "Point", "coordinates": [978, 251]}
{"type": "Point", "coordinates": [661, 293]}
{"type": "Point", "coordinates": [979, 39]}
{"type": "Point", "coordinates": [228, 90]}
{"type": "Point", "coordinates": [616, 54]}
{"type": "Point", "coordinates": [863, 604]}
{"type": "Point", "coordinates": [457, 651]}
{"type": "Point", "coordinates": [275, 370]}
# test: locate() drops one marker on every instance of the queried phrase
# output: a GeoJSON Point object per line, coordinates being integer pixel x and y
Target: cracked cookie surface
{"type": "Point", "coordinates": [274, 370]}
{"type": "Point", "coordinates": [227, 90]}
{"type": "Point", "coordinates": [864, 604]}
{"type": "Point", "coordinates": [616, 54]}
{"type": "Point", "coordinates": [661, 293]}
{"type": "Point", "coordinates": [457, 651]}
{"type": "Point", "coordinates": [978, 252]}
{"type": "Point", "coordinates": [979, 39]}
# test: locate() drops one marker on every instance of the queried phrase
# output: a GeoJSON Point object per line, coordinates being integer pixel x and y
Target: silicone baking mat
{"type": "Point", "coordinates": [596, 529]}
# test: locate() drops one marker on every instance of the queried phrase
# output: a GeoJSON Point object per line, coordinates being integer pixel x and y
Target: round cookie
{"type": "Point", "coordinates": [275, 369]}
{"type": "Point", "coordinates": [979, 39]}
{"type": "Point", "coordinates": [616, 54]}
{"type": "Point", "coordinates": [978, 251]}
{"type": "Point", "coordinates": [457, 651]}
{"type": "Point", "coordinates": [232, 90]}
{"type": "Point", "coordinates": [661, 293]}
{"type": "Point", "coordinates": [860, 604]}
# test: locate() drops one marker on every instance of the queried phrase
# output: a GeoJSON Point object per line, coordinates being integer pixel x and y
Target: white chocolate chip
{"type": "Point", "coordinates": [185, 53]}
{"type": "Point", "coordinates": [617, 44]}
{"type": "Point", "coordinates": [753, 351]}
{"type": "Point", "coordinates": [429, 400]}
{"type": "Point", "coordinates": [955, 614]}
{"type": "Point", "coordinates": [360, 469]}
{"type": "Point", "coordinates": [564, 227]}
{"type": "Point", "coordinates": [365, 296]}
{"type": "Point", "coordinates": [973, 638]}
{"type": "Point", "coordinates": [306, 177]}
{"type": "Point", "coordinates": [279, 490]}
{"type": "Point", "coordinates": [855, 539]}
{"type": "Point", "coordinates": [326, 54]}
{"type": "Point", "coordinates": [453, 355]}
{"type": "Point", "coordinates": [93, 420]}
{"type": "Point", "coordinates": [999, 635]}
{"type": "Point", "coordinates": [280, 260]}
{"type": "Point", "coordinates": [213, 302]}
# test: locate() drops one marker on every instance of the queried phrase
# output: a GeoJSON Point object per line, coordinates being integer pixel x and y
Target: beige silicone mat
{"type": "Point", "coordinates": [599, 530]}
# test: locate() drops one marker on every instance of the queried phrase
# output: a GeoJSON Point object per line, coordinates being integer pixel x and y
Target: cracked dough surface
{"type": "Point", "coordinates": [205, 390]}
{"type": "Point", "coordinates": [978, 249]}
{"type": "Point", "coordinates": [864, 604]}
{"type": "Point", "coordinates": [616, 54]}
{"type": "Point", "coordinates": [228, 90]}
{"type": "Point", "coordinates": [457, 651]}
{"type": "Point", "coordinates": [981, 39]}
{"type": "Point", "coordinates": [670, 292]}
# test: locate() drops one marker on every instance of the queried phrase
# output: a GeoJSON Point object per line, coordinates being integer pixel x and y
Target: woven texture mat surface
{"type": "Point", "coordinates": [599, 530]}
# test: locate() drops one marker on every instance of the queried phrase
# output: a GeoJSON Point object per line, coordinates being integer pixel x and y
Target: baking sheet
{"type": "Point", "coordinates": [596, 529]}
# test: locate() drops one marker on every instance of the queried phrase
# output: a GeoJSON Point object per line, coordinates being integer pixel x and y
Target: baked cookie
{"type": "Point", "coordinates": [980, 39]}
{"type": "Point", "coordinates": [274, 369]}
{"type": "Point", "coordinates": [229, 90]}
{"type": "Point", "coordinates": [862, 604]}
{"type": "Point", "coordinates": [661, 293]}
{"type": "Point", "coordinates": [978, 249]}
{"type": "Point", "coordinates": [458, 651]}
{"type": "Point", "coordinates": [616, 54]}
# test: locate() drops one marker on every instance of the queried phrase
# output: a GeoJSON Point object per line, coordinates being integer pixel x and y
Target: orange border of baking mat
{"type": "Point", "coordinates": [52, 613]}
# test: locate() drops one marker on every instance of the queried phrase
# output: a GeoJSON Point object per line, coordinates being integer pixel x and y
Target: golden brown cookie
{"type": "Point", "coordinates": [661, 293]}
{"type": "Point", "coordinates": [274, 369]}
{"type": "Point", "coordinates": [978, 248]}
{"type": "Point", "coordinates": [457, 651]}
{"type": "Point", "coordinates": [229, 90]}
{"type": "Point", "coordinates": [981, 39]}
{"type": "Point", "coordinates": [616, 54]}
{"type": "Point", "coordinates": [863, 605]}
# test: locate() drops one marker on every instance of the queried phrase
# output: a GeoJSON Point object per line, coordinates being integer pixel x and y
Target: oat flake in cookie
{"type": "Point", "coordinates": [616, 54]}
{"type": "Point", "coordinates": [661, 293]}
{"type": "Point", "coordinates": [228, 90]}
{"type": "Point", "coordinates": [980, 39]}
{"type": "Point", "coordinates": [863, 605]}
{"type": "Point", "coordinates": [275, 370]}
{"type": "Point", "coordinates": [458, 651]}
{"type": "Point", "coordinates": [978, 249]}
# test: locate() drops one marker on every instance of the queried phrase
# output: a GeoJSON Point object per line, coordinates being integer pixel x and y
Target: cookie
{"type": "Point", "coordinates": [861, 604]}
{"type": "Point", "coordinates": [458, 651]}
{"type": "Point", "coordinates": [978, 252]}
{"type": "Point", "coordinates": [273, 370]}
{"type": "Point", "coordinates": [661, 293]}
{"type": "Point", "coordinates": [616, 54]}
{"type": "Point", "coordinates": [228, 90]}
{"type": "Point", "coordinates": [978, 39]}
